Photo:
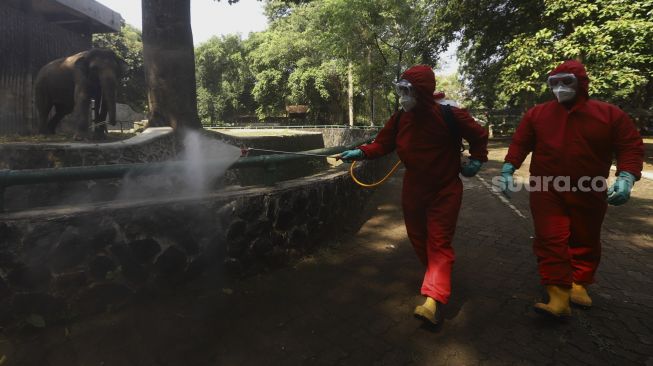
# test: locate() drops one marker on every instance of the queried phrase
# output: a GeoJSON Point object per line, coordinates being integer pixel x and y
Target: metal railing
{"type": "Point", "coordinates": [51, 175]}
{"type": "Point", "coordinates": [303, 127]}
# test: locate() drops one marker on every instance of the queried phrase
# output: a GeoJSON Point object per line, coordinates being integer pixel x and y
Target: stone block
{"type": "Point", "coordinates": [285, 219]}
{"type": "Point", "coordinates": [4, 233]}
{"type": "Point", "coordinates": [258, 228]}
{"type": "Point", "coordinates": [262, 245]}
{"type": "Point", "coordinates": [298, 238]}
{"type": "Point", "coordinates": [4, 288]}
{"type": "Point", "coordinates": [103, 237]}
{"type": "Point", "coordinates": [251, 209]}
{"type": "Point", "coordinates": [69, 252]}
{"type": "Point", "coordinates": [100, 266]}
{"type": "Point", "coordinates": [144, 250]}
{"type": "Point", "coordinates": [171, 261]}
{"type": "Point", "coordinates": [233, 266]}
{"type": "Point", "coordinates": [100, 297]}
{"type": "Point", "coordinates": [238, 248]}
{"type": "Point", "coordinates": [236, 230]}
{"type": "Point", "coordinates": [70, 282]}
{"type": "Point", "coordinates": [129, 267]}
{"type": "Point", "coordinates": [7, 259]}
{"type": "Point", "coordinates": [189, 245]}
{"type": "Point", "coordinates": [196, 268]}
{"type": "Point", "coordinates": [47, 306]}
{"type": "Point", "coordinates": [300, 203]}
{"type": "Point", "coordinates": [30, 277]}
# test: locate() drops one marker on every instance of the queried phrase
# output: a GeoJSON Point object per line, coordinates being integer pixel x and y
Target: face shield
{"type": "Point", "coordinates": [565, 79]}
{"type": "Point", "coordinates": [404, 88]}
{"type": "Point", "coordinates": [406, 94]}
{"type": "Point", "coordinates": [563, 85]}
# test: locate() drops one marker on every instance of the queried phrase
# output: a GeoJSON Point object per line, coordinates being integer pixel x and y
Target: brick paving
{"type": "Point", "coordinates": [351, 303]}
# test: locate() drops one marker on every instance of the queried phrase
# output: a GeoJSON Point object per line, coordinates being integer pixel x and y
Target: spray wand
{"type": "Point", "coordinates": [246, 150]}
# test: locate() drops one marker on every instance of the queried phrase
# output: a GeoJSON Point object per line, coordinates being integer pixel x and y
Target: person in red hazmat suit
{"type": "Point", "coordinates": [432, 189]}
{"type": "Point", "coordinates": [573, 140]}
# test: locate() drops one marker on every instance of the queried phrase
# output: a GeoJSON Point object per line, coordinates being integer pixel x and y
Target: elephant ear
{"type": "Point", "coordinates": [123, 66]}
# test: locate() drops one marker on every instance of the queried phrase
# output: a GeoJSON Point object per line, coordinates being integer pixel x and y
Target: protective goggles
{"type": "Point", "coordinates": [565, 79]}
{"type": "Point", "coordinates": [404, 88]}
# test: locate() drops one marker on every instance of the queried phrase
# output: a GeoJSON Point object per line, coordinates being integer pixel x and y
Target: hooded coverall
{"type": "Point", "coordinates": [576, 142]}
{"type": "Point", "coordinates": [432, 190]}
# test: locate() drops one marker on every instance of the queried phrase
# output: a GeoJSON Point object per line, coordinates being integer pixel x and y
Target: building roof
{"type": "Point", "coordinates": [79, 15]}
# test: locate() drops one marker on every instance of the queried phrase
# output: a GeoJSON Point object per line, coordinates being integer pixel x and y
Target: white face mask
{"type": "Point", "coordinates": [564, 93]}
{"type": "Point", "coordinates": [407, 102]}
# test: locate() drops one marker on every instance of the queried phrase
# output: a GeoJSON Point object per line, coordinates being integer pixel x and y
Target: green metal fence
{"type": "Point", "coordinates": [52, 175]}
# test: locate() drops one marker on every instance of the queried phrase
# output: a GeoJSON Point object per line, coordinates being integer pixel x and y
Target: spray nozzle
{"type": "Point", "coordinates": [244, 151]}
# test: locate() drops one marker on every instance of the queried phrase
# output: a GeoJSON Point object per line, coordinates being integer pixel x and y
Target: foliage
{"type": "Point", "coordinates": [224, 80]}
{"type": "Point", "coordinates": [613, 38]}
{"type": "Point", "coordinates": [305, 56]}
{"type": "Point", "coordinates": [276, 9]}
{"type": "Point", "coordinates": [484, 27]}
{"type": "Point", "coordinates": [453, 89]}
{"type": "Point", "coordinates": [509, 46]}
{"type": "Point", "coordinates": [128, 45]}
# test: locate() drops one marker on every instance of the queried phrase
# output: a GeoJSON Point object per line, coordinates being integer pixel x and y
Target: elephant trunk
{"type": "Point", "coordinates": [109, 94]}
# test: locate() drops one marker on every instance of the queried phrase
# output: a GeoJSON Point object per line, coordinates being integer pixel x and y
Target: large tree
{"type": "Point", "coordinates": [169, 58]}
{"type": "Point", "coordinates": [508, 46]}
{"type": "Point", "coordinates": [339, 56]}
{"type": "Point", "coordinates": [224, 80]}
{"type": "Point", "coordinates": [484, 28]}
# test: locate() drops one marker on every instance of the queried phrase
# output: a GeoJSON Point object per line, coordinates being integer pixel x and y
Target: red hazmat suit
{"type": "Point", "coordinates": [432, 190]}
{"type": "Point", "coordinates": [576, 142]}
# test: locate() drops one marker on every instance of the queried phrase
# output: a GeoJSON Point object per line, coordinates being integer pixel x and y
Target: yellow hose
{"type": "Point", "coordinates": [372, 185]}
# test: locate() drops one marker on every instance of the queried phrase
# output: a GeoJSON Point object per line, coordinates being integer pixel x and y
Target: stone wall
{"type": "Point", "coordinates": [344, 137]}
{"type": "Point", "coordinates": [154, 145]}
{"type": "Point", "coordinates": [61, 263]}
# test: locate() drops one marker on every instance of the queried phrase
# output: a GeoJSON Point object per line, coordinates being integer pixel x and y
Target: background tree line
{"type": "Point", "coordinates": [341, 57]}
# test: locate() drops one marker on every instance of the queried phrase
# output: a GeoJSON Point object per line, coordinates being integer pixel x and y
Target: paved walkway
{"type": "Point", "coordinates": [351, 303]}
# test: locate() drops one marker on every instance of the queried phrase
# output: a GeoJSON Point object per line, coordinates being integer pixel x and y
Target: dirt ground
{"type": "Point", "coordinates": [351, 302]}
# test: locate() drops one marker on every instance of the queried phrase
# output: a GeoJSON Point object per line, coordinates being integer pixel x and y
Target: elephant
{"type": "Point", "coordinates": [70, 83]}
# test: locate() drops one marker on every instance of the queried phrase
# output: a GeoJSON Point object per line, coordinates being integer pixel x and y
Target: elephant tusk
{"type": "Point", "coordinates": [94, 125]}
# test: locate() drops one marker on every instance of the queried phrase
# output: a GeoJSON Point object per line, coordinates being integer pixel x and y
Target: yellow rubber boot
{"type": "Point", "coordinates": [579, 296]}
{"type": "Point", "coordinates": [558, 304]}
{"type": "Point", "coordinates": [428, 311]}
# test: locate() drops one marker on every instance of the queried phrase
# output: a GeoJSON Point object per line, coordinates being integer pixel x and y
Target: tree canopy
{"type": "Point", "coordinates": [508, 47]}
{"type": "Point", "coordinates": [335, 55]}
{"type": "Point", "coordinates": [224, 81]}
{"type": "Point", "coordinates": [128, 45]}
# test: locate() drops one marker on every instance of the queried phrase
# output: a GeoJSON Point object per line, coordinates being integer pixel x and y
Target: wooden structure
{"type": "Point", "coordinates": [297, 111]}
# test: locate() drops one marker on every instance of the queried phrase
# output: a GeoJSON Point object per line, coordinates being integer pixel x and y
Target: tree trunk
{"type": "Point", "coordinates": [398, 75]}
{"type": "Point", "coordinates": [371, 86]}
{"type": "Point", "coordinates": [169, 62]}
{"type": "Point", "coordinates": [350, 92]}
